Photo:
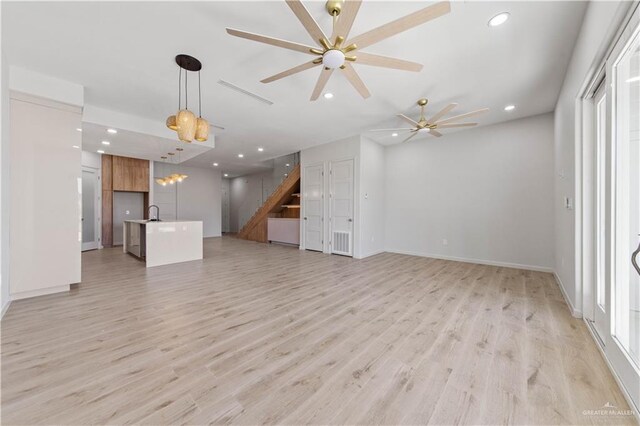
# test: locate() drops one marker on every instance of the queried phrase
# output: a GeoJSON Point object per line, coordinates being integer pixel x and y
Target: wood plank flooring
{"type": "Point", "coordinates": [265, 334]}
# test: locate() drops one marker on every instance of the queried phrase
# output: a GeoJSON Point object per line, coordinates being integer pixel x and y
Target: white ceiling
{"type": "Point", "coordinates": [136, 145]}
{"type": "Point", "coordinates": [122, 53]}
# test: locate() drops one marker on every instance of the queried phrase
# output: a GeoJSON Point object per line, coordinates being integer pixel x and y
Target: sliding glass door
{"type": "Point", "coordinates": [623, 287]}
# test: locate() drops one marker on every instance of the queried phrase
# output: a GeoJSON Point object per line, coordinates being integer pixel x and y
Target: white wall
{"type": "Point", "coordinates": [45, 196]}
{"type": "Point", "coordinates": [323, 154]}
{"type": "Point", "coordinates": [4, 187]}
{"type": "Point", "coordinates": [196, 198]}
{"type": "Point", "coordinates": [487, 191]}
{"type": "Point", "coordinates": [600, 23]}
{"type": "Point", "coordinates": [33, 83]}
{"type": "Point", "coordinates": [246, 195]}
{"type": "Point", "coordinates": [372, 198]}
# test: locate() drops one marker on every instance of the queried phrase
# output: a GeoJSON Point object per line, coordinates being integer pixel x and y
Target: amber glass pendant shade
{"type": "Point", "coordinates": [171, 122]}
{"type": "Point", "coordinates": [202, 129]}
{"type": "Point", "coordinates": [186, 122]}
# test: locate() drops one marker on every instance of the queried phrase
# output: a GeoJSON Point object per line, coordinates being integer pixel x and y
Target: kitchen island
{"type": "Point", "coordinates": [162, 243]}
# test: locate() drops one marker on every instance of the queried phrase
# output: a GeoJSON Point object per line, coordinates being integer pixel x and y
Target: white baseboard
{"type": "Point", "coordinates": [4, 308]}
{"type": "Point", "coordinates": [477, 261]}
{"type": "Point", "coordinates": [373, 253]}
{"type": "Point", "coordinates": [40, 292]}
{"type": "Point", "coordinates": [574, 312]}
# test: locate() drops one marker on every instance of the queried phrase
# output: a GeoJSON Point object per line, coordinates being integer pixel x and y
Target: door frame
{"type": "Point", "coordinates": [303, 224]}
{"type": "Point", "coordinates": [616, 358]}
{"type": "Point", "coordinates": [97, 244]}
{"type": "Point", "coordinates": [353, 207]}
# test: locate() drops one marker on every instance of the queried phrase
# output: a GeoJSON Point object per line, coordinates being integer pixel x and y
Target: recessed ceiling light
{"type": "Point", "coordinates": [509, 107]}
{"type": "Point", "coordinates": [328, 95]}
{"type": "Point", "coordinates": [286, 165]}
{"type": "Point", "coordinates": [633, 79]}
{"type": "Point", "coordinates": [112, 131]}
{"type": "Point", "coordinates": [75, 146]}
{"type": "Point", "coordinates": [394, 134]}
{"type": "Point", "coordinates": [260, 149]}
{"type": "Point", "coordinates": [499, 19]}
{"type": "Point", "coordinates": [240, 155]}
{"type": "Point", "coordinates": [100, 151]}
{"type": "Point", "coordinates": [79, 129]}
{"type": "Point", "coordinates": [226, 175]}
{"type": "Point", "coordinates": [106, 143]}
{"type": "Point", "coordinates": [215, 164]}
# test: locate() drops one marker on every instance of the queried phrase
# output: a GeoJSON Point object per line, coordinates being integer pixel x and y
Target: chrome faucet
{"type": "Point", "coordinates": [157, 218]}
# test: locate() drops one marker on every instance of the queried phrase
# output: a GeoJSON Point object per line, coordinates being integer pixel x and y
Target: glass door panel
{"type": "Point", "coordinates": [626, 283]}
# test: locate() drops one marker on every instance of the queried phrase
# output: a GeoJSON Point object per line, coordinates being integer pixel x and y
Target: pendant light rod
{"type": "Point", "coordinates": [179, 88]}
{"type": "Point", "coordinates": [199, 97]}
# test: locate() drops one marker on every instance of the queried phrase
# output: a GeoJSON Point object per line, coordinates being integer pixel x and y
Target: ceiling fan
{"type": "Point", "coordinates": [436, 122]}
{"type": "Point", "coordinates": [334, 53]}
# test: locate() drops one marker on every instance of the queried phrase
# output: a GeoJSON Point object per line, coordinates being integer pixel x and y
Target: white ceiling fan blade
{"type": "Point", "coordinates": [291, 71]}
{"type": "Point", "coordinates": [414, 133]}
{"type": "Point", "coordinates": [387, 62]}
{"type": "Point", "coordinates": [442, 113]}
{"type": "Point", "coordinates": [355, 80]}
{"type": "Point", "coordinates": [435, 133]}
{"type": "Point", "coordinates": [458, 117]}
{"type": "Point", "coordinates": [307, 20]}
{"type": "Point", "coordinates": [452, 125]}
{"type": "Point", "coordinates": [272, 41]}
{"type": "Point", "coordinates": [403, 24]}
{"type": "Point", "coordinates": [346, 18]}
{"type": "Point", "coordinates": [322, 81]}
{"type": "Point", "coordinates": [390, 130]}
{"type": "Point", "coordinates": [407, 119]}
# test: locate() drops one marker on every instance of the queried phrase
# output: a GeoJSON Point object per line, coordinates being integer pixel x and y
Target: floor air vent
{"type": "Point", "coordinates": [341, 243]}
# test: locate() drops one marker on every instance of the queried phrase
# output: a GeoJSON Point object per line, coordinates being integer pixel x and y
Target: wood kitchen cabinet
{"type": "Point", "coordinates": [130, 174]}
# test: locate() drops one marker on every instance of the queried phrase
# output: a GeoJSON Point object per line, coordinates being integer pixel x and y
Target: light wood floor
{"type": "Point", "coordinates": [260, 334]}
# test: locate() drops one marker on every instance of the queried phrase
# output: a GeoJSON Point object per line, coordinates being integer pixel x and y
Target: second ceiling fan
{"type": "Point", "coordinates": [338, 51]}
{"type": "Point", "coordinates": [436, 122]}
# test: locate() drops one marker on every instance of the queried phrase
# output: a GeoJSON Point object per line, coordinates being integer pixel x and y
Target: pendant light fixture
{"type": "Point", "coordinates": [174, 177]}
{"type": "Point", "coordinates": [185, 122]}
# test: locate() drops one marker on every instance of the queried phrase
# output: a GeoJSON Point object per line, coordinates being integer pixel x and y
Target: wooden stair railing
{"type": "Point", "coordinates": [256, 228]}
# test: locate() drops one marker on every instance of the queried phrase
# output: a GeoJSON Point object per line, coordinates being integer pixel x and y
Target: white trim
{"type": "Point", "coordinates": [627, 396]}
{"type": "Point", "coordinates": [40, 292]}
{"type": "Point", "coordinates": [373, 253]}
{"type": "Point", "coordinates": [470, 260]}
{"type": "Point", "coordinates": [576, 313]}
{"type": "Point", "coordinates": [4, 309]}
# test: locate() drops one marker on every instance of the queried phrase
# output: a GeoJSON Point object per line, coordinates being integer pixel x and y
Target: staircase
{"type": "Point", "coordinates": [283, 202]}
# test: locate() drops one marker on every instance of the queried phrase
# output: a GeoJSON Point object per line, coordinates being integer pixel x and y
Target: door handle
{"type": "Point", "coordinates": [633, 259]}
{"type": "Point", "coordinates": [350, 220]}
{"type": "Point", "coordinates": [305, 218]}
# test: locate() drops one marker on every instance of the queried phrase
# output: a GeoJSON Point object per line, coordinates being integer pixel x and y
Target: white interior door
{"type": "Point", "coordinates": [90, 209]}
{"type": "Point", "coordinates": [341, 207]}
{"type": "Point", "coordinates": [313, 197]}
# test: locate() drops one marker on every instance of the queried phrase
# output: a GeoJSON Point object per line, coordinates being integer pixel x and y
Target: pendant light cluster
{"type": "Point", "coordinates": [185, 122]}
{"type": "Point", "coordinates": [174, 177]}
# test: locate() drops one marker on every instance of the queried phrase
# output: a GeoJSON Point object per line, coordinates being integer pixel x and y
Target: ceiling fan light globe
{"type": "Point", "coordinates": [333, 58]}
{"type": "Point", "coordinates": [424, 130]}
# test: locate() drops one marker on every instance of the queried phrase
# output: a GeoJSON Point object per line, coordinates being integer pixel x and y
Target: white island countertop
{"type": "Point", "coordinates": [163, 242]}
